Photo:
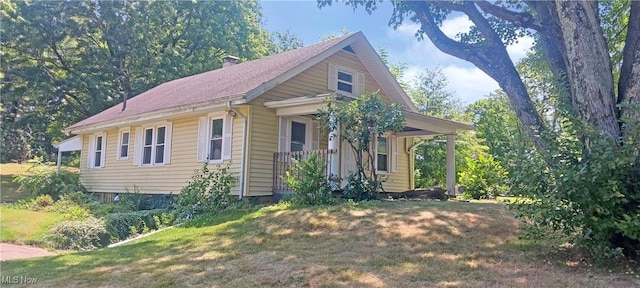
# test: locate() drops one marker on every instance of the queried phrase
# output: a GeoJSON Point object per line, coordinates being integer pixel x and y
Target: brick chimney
{"type": "Point", "coordinates": [229, 60]}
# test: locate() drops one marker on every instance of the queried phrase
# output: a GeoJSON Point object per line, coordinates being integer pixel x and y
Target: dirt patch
{"type": "Point", "coordinates": [12, 251]}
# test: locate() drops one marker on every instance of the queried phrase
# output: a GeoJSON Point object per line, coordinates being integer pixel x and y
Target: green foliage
{"type": "Point", "coordinates": [121, 226]}
{"type": "Point", "coordinates": [585, 193]}
{"type": "Point", "coordinates": [207, 192]}
{"type": "Point", "coordinates": [66, 60]}
{"type": "Point", "coordinates": [360, 121]}
{"type": "Point", "coordinates": [83, 235]}
{"type": "Point", "coordinates": [359, 188]}
{"type": "Point", "coordinates": [484, 178]}
{"type": "Point", "coordinates": [45, 181]}
{"type": "Point", "coordinates": [308, 181]}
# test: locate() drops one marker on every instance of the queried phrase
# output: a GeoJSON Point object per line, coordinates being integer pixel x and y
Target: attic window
{"type": "Point", "coordinates": [349, 49]}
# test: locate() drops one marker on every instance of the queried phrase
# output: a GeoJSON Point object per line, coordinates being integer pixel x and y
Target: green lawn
{"type": "Point", "coordinates": [374, 244]}
{"type": "Point", "coordinates": [25, 226]}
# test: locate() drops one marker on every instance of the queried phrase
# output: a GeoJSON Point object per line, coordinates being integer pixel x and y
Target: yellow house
{"type": "Point", "coordinates": [254, 115]}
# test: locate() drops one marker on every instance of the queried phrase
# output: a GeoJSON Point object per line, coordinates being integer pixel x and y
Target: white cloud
{"type": "Point", "coordinates": [451, 27]}
{"type": "Point", "coordinates": [469, 84]}
{"type": "Point", "coordinates": [519, 50]}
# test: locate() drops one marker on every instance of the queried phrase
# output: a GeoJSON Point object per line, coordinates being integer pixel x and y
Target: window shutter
{"type": "Point", "coordinates": [283, 140]}
{"type": "Point", "coordinates": [315, 136]}
{"type": "Point", "coordinates": [394, 153]}
{"type": "Point", "coordinates": [359, 85]}
{"type": "Point", "coordinates": [137, 147]}
{"type": "Point", "coordinates": [333, 77]}
{"type": "Point", "coordinates": [91, 151]}
{"type": "Point", "coordinates": [167, 142]}
{"type": "Point", "coordinates": [203, 131]}
{"type": "Point", "coordinates": [227, 137]}
{"type": "Point", "coordinates": [103, 155]}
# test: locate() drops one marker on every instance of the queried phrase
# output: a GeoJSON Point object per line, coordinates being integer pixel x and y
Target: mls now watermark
{"type": "Point", "coordinates": [18, 280]}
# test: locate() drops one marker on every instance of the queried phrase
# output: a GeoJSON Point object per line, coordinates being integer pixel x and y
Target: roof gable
{"type": "Point", "coordinates": [248, 80]}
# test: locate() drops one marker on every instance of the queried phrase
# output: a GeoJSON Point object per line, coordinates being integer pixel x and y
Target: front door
{"type": "Point", "coordinates": [348, 162]}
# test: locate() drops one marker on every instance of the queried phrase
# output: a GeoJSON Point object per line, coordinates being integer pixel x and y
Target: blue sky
{"type": "Point", "coordinates": [304, 19]}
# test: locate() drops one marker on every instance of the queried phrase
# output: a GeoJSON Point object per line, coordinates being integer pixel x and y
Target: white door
{"type": "Point", "coordinates": [348, 162]}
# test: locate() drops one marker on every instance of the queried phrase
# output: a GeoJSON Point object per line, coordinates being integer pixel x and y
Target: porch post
{"type": "Point", "coordinates": [334, 144]}
{"type": "Point", "coordinates": [451, 164]}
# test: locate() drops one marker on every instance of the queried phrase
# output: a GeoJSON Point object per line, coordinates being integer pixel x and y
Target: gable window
{"type": "Point", "coordinates": [123, 144]}
{"type": "Point", "coordinates": [97, 148]}
{"type": "Point", "coordinates": [215, 138]}
{"type": "Point", "coordinates": [344, 80]}
{"type": "Point", "coordinates": [153, 144]}
{"type": "Point", "coordinates": [386, 154]}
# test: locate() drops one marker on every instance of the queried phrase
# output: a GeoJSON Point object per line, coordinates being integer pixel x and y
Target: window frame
{"type": "Point", "coordinates": [141, 144]}
{"type": "Point", "coordinates": [93, 150]}
{"type": "Point", "coordinates": [121, 133]}
{"type": "Point", "coordinates": [388, 154]}
{"type": "Point", "coordinates": [210, 138]}
{"type": "Point", "coordinates": [352, 83]}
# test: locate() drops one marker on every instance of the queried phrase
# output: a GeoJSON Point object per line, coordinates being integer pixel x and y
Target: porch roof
{"type": "Point", "coordinates": [417, 124]}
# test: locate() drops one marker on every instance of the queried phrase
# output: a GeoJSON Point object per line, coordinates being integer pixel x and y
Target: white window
{"type": "Point", "coordinates": [153, 144]}
{"type": "Point", "coordinates": [345, 81]}
{"type": "Point", "coordinates": [215, 138]}
{"type": "Point", "coordinates": [97, 148]}
{"type": "Point", "coordinates": [386, 148]}
{"type": "Point", "coordinates": [298, 134]}
{"type": "Point", "coordinates": [124, 139]}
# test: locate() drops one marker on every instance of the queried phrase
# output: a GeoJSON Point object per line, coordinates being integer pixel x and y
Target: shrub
{"type": "Point", "coordinates": [307, 181]}
{"type": "Point", "coordinates": [121, 226]}
{"type": "Point", "coordinates": [46, 181]}
{"type": "Point", "coordinates": [79, 234]}
{"type": "Point", "coordinates": [484, 178]}
{"type": "Point", "coordinates": [359, 188]}
{"type": "Point", "coordinates": [207, 192]}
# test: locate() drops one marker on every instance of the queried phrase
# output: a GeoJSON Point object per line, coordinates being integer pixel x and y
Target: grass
{"type": "Point", "coordinates": [371, 244]}
{"type": "Point", "coordinates": [9, 189]}
{"type": "Point", "coordinates": [25, 226]}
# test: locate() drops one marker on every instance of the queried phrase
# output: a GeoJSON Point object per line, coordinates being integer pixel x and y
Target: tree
{"type": "Point", "coordinates": [600, 123]}
{"type": "Point", "coordinates": [360, 122]}
{"type": "Point", "coordinates": [63, 61]}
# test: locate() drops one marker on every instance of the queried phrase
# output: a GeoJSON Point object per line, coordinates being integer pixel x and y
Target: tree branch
{"type": "Point", "coordinates": [519, 19]}
{"type": "Point", "coordinates": [629, 82]}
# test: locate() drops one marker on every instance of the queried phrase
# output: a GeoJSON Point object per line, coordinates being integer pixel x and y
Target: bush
{"type": "Point", "coordinates": [358, 188]}
{"type": "Point", "coordinates": [79, 234]}
{"type": "Point", "coordinates": [121, 226]}
{"type": "Point", "coordinates": [207, 192]}
{"type": "Point", "coordinates": [307, 181]}
{"type": "Point", "coordinates": [484, 178]}
{"type": "Point", "coordinates": [46, 181]}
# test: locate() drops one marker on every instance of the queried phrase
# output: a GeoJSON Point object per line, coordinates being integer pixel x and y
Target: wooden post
{"type": "Point", "coordinates": [451, 164]}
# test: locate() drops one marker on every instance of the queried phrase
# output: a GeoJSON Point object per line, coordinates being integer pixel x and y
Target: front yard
{"type": "Point", "coordinates": [369, 244]}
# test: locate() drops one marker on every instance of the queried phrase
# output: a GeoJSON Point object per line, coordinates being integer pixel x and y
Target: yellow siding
{"type": "Point", "coordinates": [119, 176]}
{"type": "Point", "coordinates": [399, 181]}
{"type": "Point", "coordinates": [264, 122]}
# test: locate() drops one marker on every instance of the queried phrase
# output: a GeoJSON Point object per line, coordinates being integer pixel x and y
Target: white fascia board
{"type": "Point", "coordinates": [164, 114]}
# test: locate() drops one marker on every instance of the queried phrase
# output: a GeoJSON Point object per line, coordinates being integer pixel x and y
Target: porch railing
{"type": "Point", "coordinates": [282, 162]}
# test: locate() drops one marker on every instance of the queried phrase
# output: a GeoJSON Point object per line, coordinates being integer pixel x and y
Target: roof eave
{"type": "Point", "coordinates": [185, 110]}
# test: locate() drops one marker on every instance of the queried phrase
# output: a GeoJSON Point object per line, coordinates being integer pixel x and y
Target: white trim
{"type": "Point", "coordinates": [148, 118]}
{"type": "Point", "coordinates": [119, 150]}
{"type": "Point", "coordinates": [204, 137]}
{"type": "Point", "coordinates": [389, 154]}
{"type": "Point", "coordinates": [154, 145]}
{"type": "Point", "coordinates": [91, 156]}
{"type": "Point", "coordinates": [308, 132]}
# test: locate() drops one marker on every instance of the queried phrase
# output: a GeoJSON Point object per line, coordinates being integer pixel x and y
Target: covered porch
{"type": "Point", "coordinates": [299, 135]}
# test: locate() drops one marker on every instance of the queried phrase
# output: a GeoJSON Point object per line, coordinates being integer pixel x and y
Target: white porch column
{"type": "Point", "coordinates": [334, 144]}
{"type": "Point", "coordinates": [59, 163]}
{"type": "Point", "coordinates": [451, 164]}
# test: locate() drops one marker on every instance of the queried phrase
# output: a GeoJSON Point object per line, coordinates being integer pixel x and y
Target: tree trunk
{"type": "Point", "coordinates": [629, 84]}
{"type": "Point", "coordinates": [588, 65]}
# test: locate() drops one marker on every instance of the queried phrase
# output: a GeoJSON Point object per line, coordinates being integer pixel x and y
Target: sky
{"type": "Point", "coordinates": [309, 23]}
